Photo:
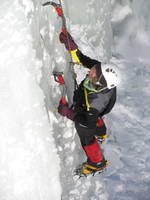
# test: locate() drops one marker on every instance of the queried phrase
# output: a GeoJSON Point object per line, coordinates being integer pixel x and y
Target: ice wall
{"type": "Point", "coordinates": [29, 165]}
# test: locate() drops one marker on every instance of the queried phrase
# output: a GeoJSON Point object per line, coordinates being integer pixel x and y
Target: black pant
{"type": "Point", "coordinates": [86, 135]}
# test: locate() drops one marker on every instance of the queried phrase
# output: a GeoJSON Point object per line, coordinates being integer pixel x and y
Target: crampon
{"type": "Point", "coordinates": [85, 169]}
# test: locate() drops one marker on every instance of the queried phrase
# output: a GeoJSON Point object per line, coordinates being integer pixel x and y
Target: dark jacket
{"type": "Point", "coordinates": [100, 103]}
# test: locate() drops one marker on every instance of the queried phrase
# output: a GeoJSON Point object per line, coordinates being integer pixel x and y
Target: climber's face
{"type": "Point", "coordinates": [92, 75]}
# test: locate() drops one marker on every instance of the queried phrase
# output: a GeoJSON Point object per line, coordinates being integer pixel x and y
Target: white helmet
{"type": "Point", "coordinates": [110, 75]}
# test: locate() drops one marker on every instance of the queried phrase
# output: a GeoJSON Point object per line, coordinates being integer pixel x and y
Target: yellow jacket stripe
{"type": "Point", "coordinates": [75, 57]}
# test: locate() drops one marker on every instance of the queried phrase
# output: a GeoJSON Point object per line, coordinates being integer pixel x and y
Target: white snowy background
{"type": "Point", "coordinates": [39, 149]}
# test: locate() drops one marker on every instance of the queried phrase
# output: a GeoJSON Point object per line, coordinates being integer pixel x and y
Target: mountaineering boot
{"type": "Point", "coordinates": [95, 163]}
{"type": "Point", "coordinates": [89, 167]}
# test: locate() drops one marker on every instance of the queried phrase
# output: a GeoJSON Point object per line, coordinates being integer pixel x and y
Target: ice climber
{"type": "Point", "coordinates": [94, 98]}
